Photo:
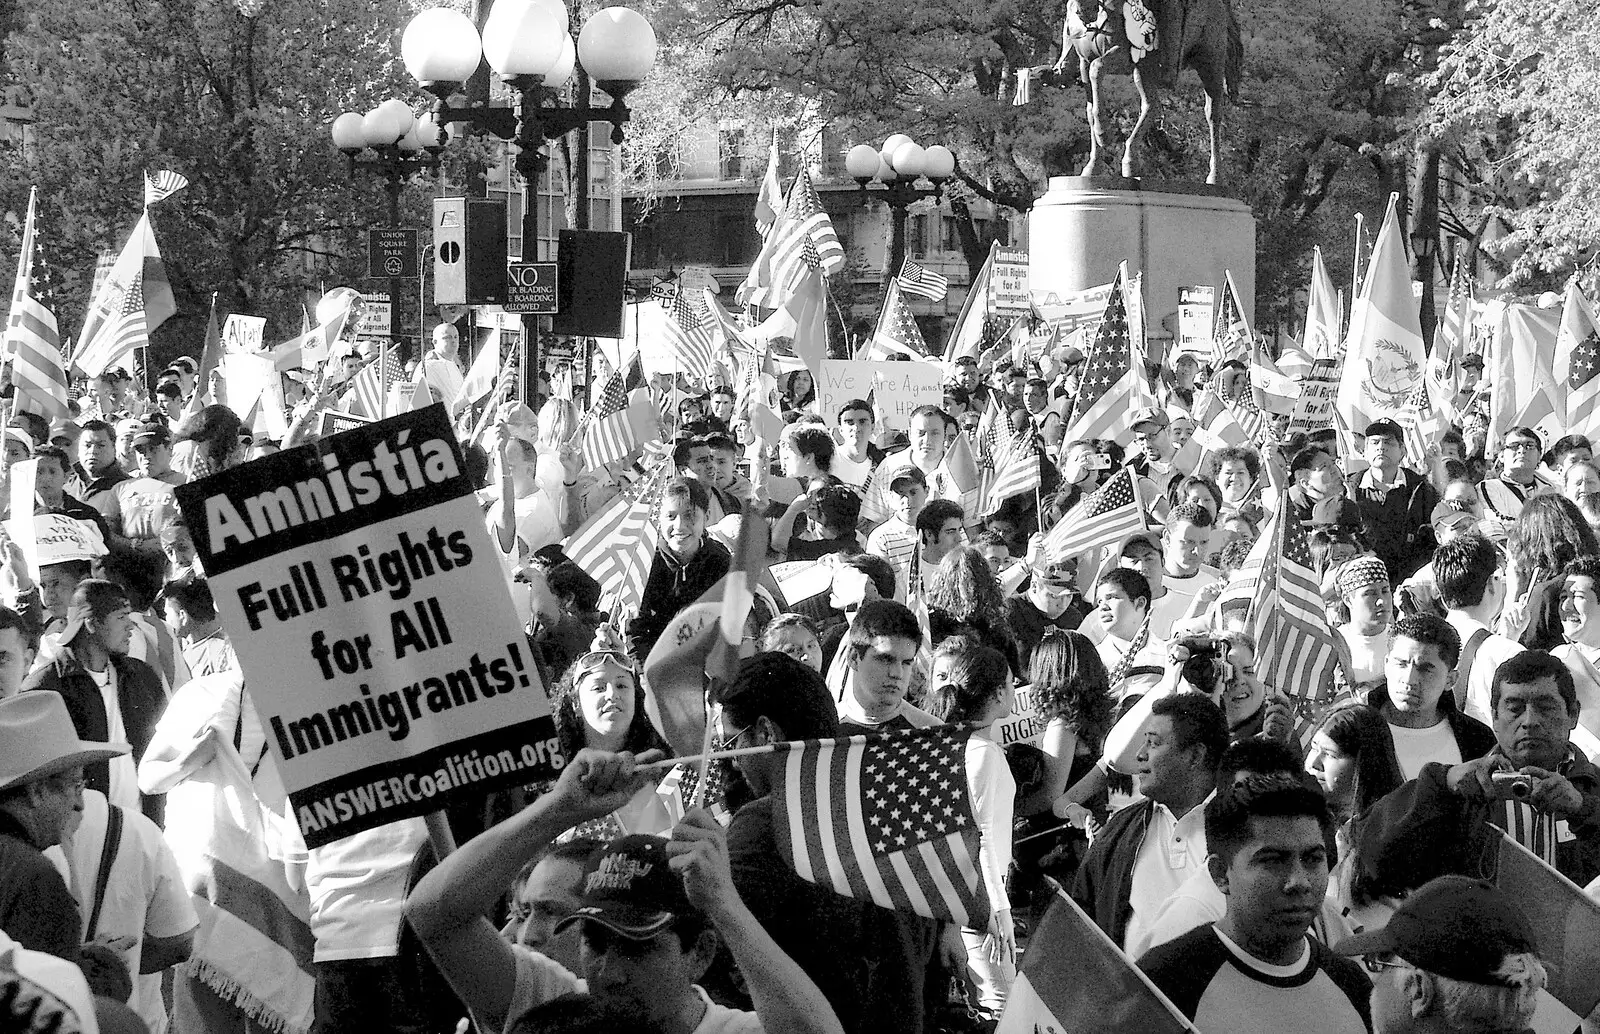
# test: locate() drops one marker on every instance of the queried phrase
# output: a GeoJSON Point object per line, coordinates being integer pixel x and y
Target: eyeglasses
{"type": "Point", "coordinates": [1379, 963]}
{"type": "Point", "coordinates": [728, 742]}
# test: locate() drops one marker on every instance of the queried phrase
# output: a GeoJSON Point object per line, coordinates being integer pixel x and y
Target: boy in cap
{"type": "Point", "coordinates": [896, 538]}
{"type": "Point", "coordinates": [651, 917]}
{"type": "Point", "coordinates": [1457, 955]}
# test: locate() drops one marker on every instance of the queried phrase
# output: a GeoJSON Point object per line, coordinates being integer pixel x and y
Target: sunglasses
{"type": "Point", "coordinates": [1379, 963]}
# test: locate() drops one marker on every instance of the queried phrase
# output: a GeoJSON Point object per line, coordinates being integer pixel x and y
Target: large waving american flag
{"type": "Point", "coordinates": [32, 335]}
{"type": "Point", "coordinates": [617, 545]}
{"type": "Point", "coordinates": [1016, 473]}
{"type": "Point", "coordinates": [688, 333]}
{"type": "Point", "coordinates": [1577, 362]}
{"type": "Point", "coordinates": [134, 300]}
{"type": "Point", "coordinates": [370, 386]}
{"type": "Point", "coordinates": [162, 185]}
{"type": "Point", "coordinates": [1109, 390]}
{"type": "Point", "coordinates": [885, 818]}
{"type": "Point", "coordinates": [802, 238]}
{"type": "Point", "coordinates": [610, 428]}
{"type": "Point", "coordinates": [1109, 515]}
{"type": "Point", "coordinates": [897, 332]}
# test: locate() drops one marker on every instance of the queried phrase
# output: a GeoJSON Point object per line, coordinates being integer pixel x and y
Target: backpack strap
{"type": "Point", "coordinates": [108, 857]}
{"type": "Point", "coordinates": [1469, 656]}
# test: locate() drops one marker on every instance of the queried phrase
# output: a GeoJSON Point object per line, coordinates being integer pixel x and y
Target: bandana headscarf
{"type": "Point", "coordinates": [1359, 573]}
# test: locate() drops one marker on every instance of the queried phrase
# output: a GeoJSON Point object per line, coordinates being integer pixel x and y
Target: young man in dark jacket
{"type": "Point", "coordinates": [1417, 701]}
{"type": "Point", "coordinates": [686, 564]}
{"type": "Point", "coordinates": [93, 668]}
{"type": "Point", "coordinates": [1396, 504]}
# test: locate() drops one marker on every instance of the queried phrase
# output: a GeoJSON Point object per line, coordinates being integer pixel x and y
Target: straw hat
{"type": "Point", "coordinates": [37, 740]}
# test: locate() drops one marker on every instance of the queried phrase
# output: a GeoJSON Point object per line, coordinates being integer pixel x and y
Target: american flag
{"type": "Point", "coordinates": [617, 545]}
{"type": "Point", "coordinates": [1294, 646]}
{"type": "Point", "coordinates": [923, 282]}
{"type": "Point", "coordinates": [1140, 640]}
{"type": "Point", "coordinates": [769, 200]}
{"type": "Point", "coordinates": [1106, 393]}
{"type": "Point", "coordinates": [31, 332]}
{"type": "Point", "coordinates": [134, 300]}
{"type": "Point", "coordinates": [885, 818]}
{"type": "Point", "coordinates": [1110, 514]}
{"type": "Point", "coordinates": [677, 789]}
{"type": "Point", "coordinates": [1016, 473]}
{"type": "Point", "coordinates": [608, 430]}
{"type": "Point", "coordinates": [370, 386]}
{"type": "Point", "coordinates": [1230, 339]}
{"type": "Point", "coordinates": [1452, 342]}
{"type": "Point", "coordinates": [897, 332]}
{"type": "Point", "coordinates": [1421, 425]}
{"type": "Point", "coordinates": [162, 185]}
{"type": "Point", "coordinates": [803, 237]}
{"type": "Point", "coordinates": [689, 340]}
{"type": "Point", "coordinates": [1578, 352]}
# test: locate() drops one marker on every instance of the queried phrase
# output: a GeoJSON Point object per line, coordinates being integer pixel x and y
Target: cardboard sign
{"type": "Point", "coordinates": [1313, 410]}
{"type": "Point", "coordinates": [1197, 307]}
{"type": "Point", "coordinates": [1008, 283]}
{"type": "Point", "coordinates": [243, 333]}
{"type": "Point", "coordinates": [334, 421]}
{"type": "Point", "coordinates": [58, 538]}
{"type": "Point", "coordinates": [24, 477]}
{"type": "Point", "coordinates": [371, 617]}
{"type": "Point", "coordinates": [1074, 312]}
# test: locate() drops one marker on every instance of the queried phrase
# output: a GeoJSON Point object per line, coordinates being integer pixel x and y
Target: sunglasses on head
{"type": "Point", "coordinates": [595, 659]}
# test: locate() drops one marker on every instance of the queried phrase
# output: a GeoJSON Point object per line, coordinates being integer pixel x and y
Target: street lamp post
{"type": "Point", "coordinates": [897, 167]}
{"type": "Point", "coordinates": [401, 144]}
{"type": "Point", "coordinates": [530, 45]}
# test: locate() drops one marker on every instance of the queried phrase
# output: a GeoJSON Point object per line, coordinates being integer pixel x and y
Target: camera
{"type": "Point", "coordinates": [1099, 461]}
{"type": "Point", "coordinates": [1513, 786]}
{"type": "Point", "coordinates": [1207, 667]}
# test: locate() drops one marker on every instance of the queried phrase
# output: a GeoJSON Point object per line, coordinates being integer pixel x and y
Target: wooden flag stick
{"type": "Point", "coordinates": [713, 755]}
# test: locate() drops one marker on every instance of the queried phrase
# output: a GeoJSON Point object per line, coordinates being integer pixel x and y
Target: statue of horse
{"type": "Point", "coordinates": [1125, 37]}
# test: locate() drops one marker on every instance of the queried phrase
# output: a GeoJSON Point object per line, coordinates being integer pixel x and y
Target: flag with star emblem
{"type": "Point", "coordinates": [1074, 978]}
{"type": "Point", "coordinates": [1577, 363]}
{"type": "Point", "coordinates": [611, 427]}
{"type": "Point", "coordinates": [1107, 516]}
{"type": "Point", "coordinates": [32, 336]}
{"type": "Point", "coordinates": [1451, 343]}
{"type": "Point", "coordinates": [897, 332]}
{"type": "Point", "coordinates": [802, 238]}
{"type": "Point", "coordinates": [617, 545]}
{"type": "Point", "coordinates": [886, 818]}
{"type": "Point", "coordinates": [1422, 428]}
{"type": "Point", "coordinates": [370, 386]}
{"type": "Point", "coordinates": [1231, 338]}
{"type": "Point", "coordinates": [134, 300]}
{"type": "Point", "coordinates": [1111, 386]}
{"type": "Point", "coordinates": [923, 282]}
{"type": "Point", "coordinates": [162, 185]}
{"type": "Point", "coordinates": [1016, 473]}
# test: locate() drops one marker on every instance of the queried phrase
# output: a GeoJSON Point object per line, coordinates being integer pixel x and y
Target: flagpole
{"type": "Point", "coordinates": [1355, 263]}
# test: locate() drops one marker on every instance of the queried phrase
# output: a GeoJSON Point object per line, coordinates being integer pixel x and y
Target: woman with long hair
{"type": "Point", "coordinates": [599, 703]}
{"type": "Point", "coordinates": [1352, 758]}
{"type": "Point", "coordinates": [1072, 696]}
{"type": "Point", "coordinates": [965, 597]}
{"type": "Point", "coordinates": [1549, 534]}
{"type": "Point", "coordinates": [972, 684]}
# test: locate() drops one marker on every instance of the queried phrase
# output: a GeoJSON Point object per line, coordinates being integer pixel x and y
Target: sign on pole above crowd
{"type": "Point", "coordinates": [531, 288]}
{"type": "Point", "coordinates": [393, 252]}
{"type": "Point", "coordinates": [1313, 410]}
{"type": "Point", "coordinates": [1008, 283]}
{"type": "Point", "coordinates": [1197, 308]}
{"type": "Point", "coordinates": [371, 618]}
{"type": "Point", "coordinates": [242, 334]}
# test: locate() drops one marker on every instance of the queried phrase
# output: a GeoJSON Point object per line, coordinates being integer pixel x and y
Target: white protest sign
{"type": "Point", "coordinates": [901, 387]}
{"type": "Point", "coordinates": [1024, 724]}
{"type": "Point", "coordinates": [1313, 410]}
{"type": "Point", "coordinates": [58, 538]}
{"type": "Point", "coordinates": [1196, 315]}
{"type": "Point", "coordinates": [243, 333]}
{"type": "Point", "coordinates": [842, 380]}
{"type": "Point", "coordinates": [371, 618]}
{"type": "Point", "coordinates": [245, 378]}
{"type": "Point", "coordinates": [24, 475]}
{"type": "Point", "coordinates": [1008, 283]}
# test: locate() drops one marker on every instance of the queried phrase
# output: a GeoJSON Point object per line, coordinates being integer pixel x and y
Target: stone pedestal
{"type": "Point", "coordinates": [1178, 235]}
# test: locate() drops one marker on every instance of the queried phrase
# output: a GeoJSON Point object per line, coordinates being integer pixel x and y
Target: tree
{"type": "Point", "coordinates": [240, 105]}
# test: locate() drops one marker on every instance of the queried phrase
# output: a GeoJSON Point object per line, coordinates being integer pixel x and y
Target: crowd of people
{"type": "Point", "coordinates": [1272, 858]}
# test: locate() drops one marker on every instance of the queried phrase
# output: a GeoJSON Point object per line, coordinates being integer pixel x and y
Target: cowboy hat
{"type": "Point", "coordinates": [37, 740]}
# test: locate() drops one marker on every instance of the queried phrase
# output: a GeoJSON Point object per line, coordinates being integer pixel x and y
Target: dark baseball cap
{"type": "Point", "coordinates": [1453, 926]}
{"type": "Point", "coordinates": [908, 472]}
{"type": "Point", "coordinates": [629, 889]}
{"type": "Point", "coordinates": [1472, 361]}
{"type": "Point", "coordinates": [152, 432]}
{"type": "Point", "coordinates": [1387, 428]}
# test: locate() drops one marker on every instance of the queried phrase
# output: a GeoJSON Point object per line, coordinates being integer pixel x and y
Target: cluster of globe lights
{"type": "Point", "coordinates": [899, 159]}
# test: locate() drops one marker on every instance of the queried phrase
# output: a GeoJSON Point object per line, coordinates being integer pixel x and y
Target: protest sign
{"type": "Point", "coordinates": [24, 477]}
{"type": "Point", "coordinates": [1196, 313]}
{"type": "Point", "coordinates": [1008, 283]}
{"type": "Point", "coordinates": [1313, 410]}
{"type": "Point", "coordinates": [59, 538]}
{"type": "Point", "coordinates": [896, 389]}
{"type": "Point", "coordinates": [243, 333]}
{"type": "Point", "coordinates": [1073, 312]}
{"type": "Point", "coordinates": [1024, 724]}
{"type": "Point", "coordinates": [371, 618]}
{"type": "Point", "coordinates": [334, 421]}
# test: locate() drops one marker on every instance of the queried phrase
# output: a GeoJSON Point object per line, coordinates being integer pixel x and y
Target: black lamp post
{"type": "Point", "coordinates": [529, 44]}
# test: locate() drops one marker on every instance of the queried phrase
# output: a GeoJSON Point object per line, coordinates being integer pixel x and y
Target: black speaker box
{"type": "Point", "coordinates": [591, 287]}
{"type": "Point", "coordinates": [469, 252]}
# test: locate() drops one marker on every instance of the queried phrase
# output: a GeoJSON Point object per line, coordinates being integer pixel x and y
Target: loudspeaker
{"type": "Point", "coordinates": [591, 283]}
{"type": "Point", "coordinates": [469, 252]}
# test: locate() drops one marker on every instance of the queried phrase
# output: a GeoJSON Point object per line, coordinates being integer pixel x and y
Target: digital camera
{"type": "Point", "coordinates": [1207, 667]}
{"type": "Point", "coordinates": [1515, 786]}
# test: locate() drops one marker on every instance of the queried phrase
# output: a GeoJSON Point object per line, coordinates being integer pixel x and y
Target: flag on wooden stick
{"type": "Point", "coordinates": [617, 545]}
{"type": "Point", "coordinates": [135, 299]}
{"type": "Point", "coordinates": [1107, 516]}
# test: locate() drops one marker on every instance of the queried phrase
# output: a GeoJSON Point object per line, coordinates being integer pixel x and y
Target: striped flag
{"type": "Point", "coordinates": [370, 386]}
{"type": "Point", "coordinates": [32, 336]}
{"type": "Point", "coordinates": [802, 238]}
{"type": "Point", "coordinates": [1451, 343]}
{"type": "Point", "coordinates": [769, 201]}
{"type": "Point", "coordinates": [135, 299]}
{"type": "Point", "coordinates": [1016, 473]}
{"type": "Point", "coordinates": [885, 818]}
{"type": "Point", "coordinates": [162, 185]}
{"type": "Point", "coordinates": [617, 545]}
{"type": "Point", "coordinates": [966, 337]}
{"type": "Point", "coordinates": [897, 332]}
{"type": "Point", "coordinates": [1109, 388]}
{"type": "Point", "coordinates": [1231, 337]}
{"type": "Point", "coordinates": [1422, 428]}
{"type": "Point", "coordinates": [688, 336]}
{"type": "Point", "coordinates": [608, 430]}
{"type": "Point", "coordinates": [1107, 516]}
{"type": "Point", "coordinates": [1294, 646]}
{"type": "Point", "coordinates": [1577, 362]}
{"type": "Point", "coordinates": [923, 282]}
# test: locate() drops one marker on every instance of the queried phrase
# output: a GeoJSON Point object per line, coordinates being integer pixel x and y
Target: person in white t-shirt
{"type": "Point", "coordinates": [1363, 588]}
{"type": "Point", "coordinates": [1472, 586]}
{"type": "Point", "coordinates": [1185, 542]}
{"type": "Point", "coordinates": [1416, 697]}
{"type": "Point", "coordinates": [857, 455]}
{"type": "Point", "coordinates": [652, 915]}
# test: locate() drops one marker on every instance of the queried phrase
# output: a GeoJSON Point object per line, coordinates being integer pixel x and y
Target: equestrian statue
{"type": "Point", "coordinates": [1151, 40]}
